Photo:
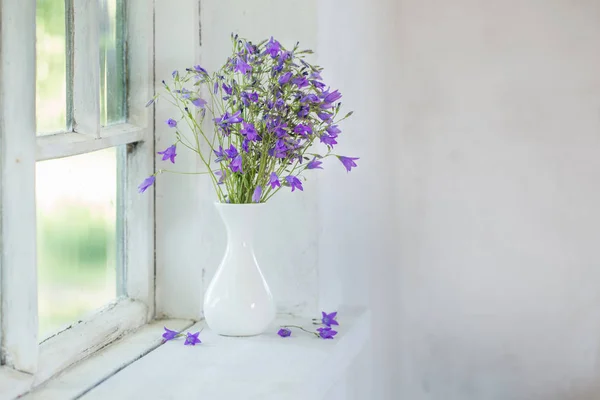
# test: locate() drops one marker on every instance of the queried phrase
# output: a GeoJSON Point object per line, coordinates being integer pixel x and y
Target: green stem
{"type": "Point", "coordinates": [301, 328]}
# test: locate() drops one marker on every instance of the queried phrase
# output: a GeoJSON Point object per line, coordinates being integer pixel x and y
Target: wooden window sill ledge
{"type": "Point", "coordinates": [262, 367]}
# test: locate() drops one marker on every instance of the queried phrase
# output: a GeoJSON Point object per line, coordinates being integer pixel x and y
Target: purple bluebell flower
{"type": "Point", "coordinates": [222, 175]}
{"type": "Point", "coordinates": [300, 81]}
{"type": "Point", "coordinates": [273, 47]}
{"type": "Point", "coordinates": [225, 121]}
{"type": "Point", "coordinates": [316, 75]}
{"type": "Point", "coordinates": [311, 97]}
{"type": "Point", "coordinates": [236, 164]}
{"type": "Point", "coordinates": [185, 94]}
{"type": "Point", "coordinates": [169, 334]}
{"type": "Point", "coordinates": [317, 84]}
{"type": "Point", "coordinates": [198, 68]}
{"type": "Point", "coordinates": [274, 180]}
{"type": "Point", "coordinates": [326, 333]}
{"type": "Point", "coordinates": [348, 162]}
{"type": "Point", "coordinates": [333, 130]}
{"type": "Point", "coordinates": [150, 102]}
{"type": "Point", "coordinates": [228, 89]}
{"type": "Point", "coordinates": [198, 102]}
{"type": "Point", "coordinates": [285, 78]}
{"type": "Point", "coordinates": [314, 164]}
{"type": "Point", "coordinates": [246, 145]}
{"type": "Point", "coordinates": [250, 48]}
{"type": "Point", "coordinates": [146, 184]}
{"type": "Point", "coordinates": [278, 68]}
{"type": "Point", "coordinates": [174, 74]}
{"type": "Point", "coordinates": [235, 118]}
{"type": "Point", "coordinates": [280, 150]}
{"type": "Point", "coordinates": [216, 88]}
{"type": "Point", "coordinates": [326, 106]}
{"type": "Point", "coordinates": [192, 339]}
{"type": "Point", "coordinates": [303, 112]}
{"type": "Point", "coordinates": [324, 115]}
{"type": "Point", "coordinates": [303, 130]}
{"type": "Point", "coordinates": [285, 55]}
{"type": "Point", "coordinates": [232, 152]}
{"type": "Point", "coordinates": [169, 154]}
{"type": "Point", "coordinates": [220, 154]}
{"type": "Point", "coordinates": [329, 319]}
{"type": "Point", "coordinates": [276, 126]}
{"type": "Point", "coordinates": [249, 131]}
{"type": "Point", "coordinates": [249, 97]}
{"type": "Point", "coordinates": [242, 66]}
{"type": "Point", "coordinates": [294, 182]}
{"type": "Point", "coordinates": [331, 97]}
{"type": "Point", "coordinates": [284, 332]}
{"type": "Point", "coordinates": [256, 195]}
{"type": "Point", "coordinates": [280, 103]}
{"type": "Point", "coordinates": [171, 122]}
{"type": "Point", "coordinates": [328, 139]}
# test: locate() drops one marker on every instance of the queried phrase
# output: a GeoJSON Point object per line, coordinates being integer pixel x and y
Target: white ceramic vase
{"type": "Point", "coordinates": [238, 301]}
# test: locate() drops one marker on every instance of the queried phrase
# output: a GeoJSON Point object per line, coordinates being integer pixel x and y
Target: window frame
{"type": "Point", "coordinates": [21, 148]}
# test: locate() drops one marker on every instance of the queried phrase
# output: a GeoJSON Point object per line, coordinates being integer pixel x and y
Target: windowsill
{"type": "Point", "coordinates": [265, 366]}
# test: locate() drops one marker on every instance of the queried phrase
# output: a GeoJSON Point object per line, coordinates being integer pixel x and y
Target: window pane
{"type": "Point", "coordinates": [51, 100]}
{"type": "Point", "coordinates": [77, 236]}
{"type": "Point", "coordinates": [112, 62]}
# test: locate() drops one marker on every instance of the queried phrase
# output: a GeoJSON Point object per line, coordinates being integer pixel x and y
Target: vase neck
{"type": "Point", "coordinates": [240, 220]}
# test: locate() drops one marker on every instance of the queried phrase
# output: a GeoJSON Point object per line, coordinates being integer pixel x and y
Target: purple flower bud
{"type": "Point", "coordinates": [146, 184]}
{"type": "Point", "coordinates": [257, 194]}
{"type": "Point", "coordinates": [171, 122]}
{"type": "Point", "coordinates": [198, 68]}
{"type": "Point", "coordinates": [284, 332]}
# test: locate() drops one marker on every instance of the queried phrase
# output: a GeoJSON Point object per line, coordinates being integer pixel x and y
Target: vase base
{"type": "Point", "coordinates": [239, 336]}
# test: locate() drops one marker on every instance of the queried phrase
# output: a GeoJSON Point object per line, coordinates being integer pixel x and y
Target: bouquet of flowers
{"type": "Point", "coordinates": [269, 106]}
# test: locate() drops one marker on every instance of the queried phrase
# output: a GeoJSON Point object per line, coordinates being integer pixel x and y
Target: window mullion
{"type": "Point", "coordinates": [83, 65]}
{"type": "Point", "coordinates": [17, 181]}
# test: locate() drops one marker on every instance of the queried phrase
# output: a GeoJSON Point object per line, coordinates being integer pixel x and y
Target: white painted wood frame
{"type": "Point", "coordinates": [19, 311]}
{"type": "Point", "coordinates": [83, 64]}
{"type": "Point", "coordinates": [20, 149]}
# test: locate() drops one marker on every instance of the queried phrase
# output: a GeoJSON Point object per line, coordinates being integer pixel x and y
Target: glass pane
{"type": "Point", "coordinates": [112, 62]}
{"type": "Point", "coordinates": [51, 98]}
{"type": "Point", "coordinates": [77, 236]}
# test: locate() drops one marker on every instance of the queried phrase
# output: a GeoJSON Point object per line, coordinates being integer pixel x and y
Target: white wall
{"type": "Point", "coordinates": [498, 171]}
